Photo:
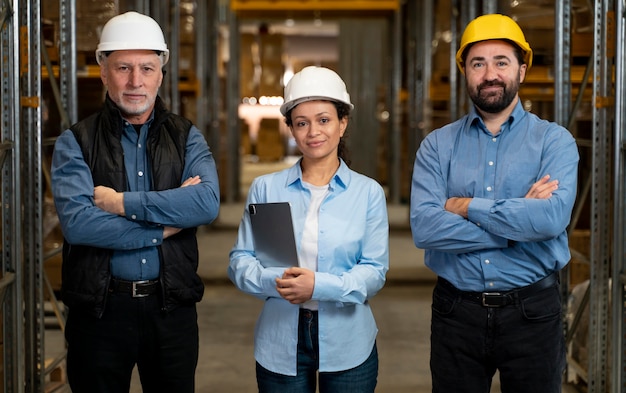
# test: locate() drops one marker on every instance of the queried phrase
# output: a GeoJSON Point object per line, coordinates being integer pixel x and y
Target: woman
{"type": "Point", "coordinates": [316, 315]}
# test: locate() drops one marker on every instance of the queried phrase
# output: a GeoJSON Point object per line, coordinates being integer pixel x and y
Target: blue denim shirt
{"type": "Point", "coordinates": [463, 159]}
{"type": "Point", "coordinates": [353, 260]}
{"type": "Point", "coordinates": [135, 237]}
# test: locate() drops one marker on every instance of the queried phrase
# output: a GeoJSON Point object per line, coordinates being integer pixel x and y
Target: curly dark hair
{"type": "Point", "coordinates": [343, 110]}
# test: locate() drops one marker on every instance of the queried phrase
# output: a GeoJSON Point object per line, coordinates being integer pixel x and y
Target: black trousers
{"type": "Point", "coordinates": [102, 353]}
{"type": "Point", "coordinates": [523, 340]}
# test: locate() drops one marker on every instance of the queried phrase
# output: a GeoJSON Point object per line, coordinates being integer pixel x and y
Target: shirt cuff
{"type": "Point", "coordinates": [478, 210]}
{"type": "Point", "coordinates": [132, 206]}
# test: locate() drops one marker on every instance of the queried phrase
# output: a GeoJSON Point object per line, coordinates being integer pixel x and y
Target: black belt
{"type": "Point", "coordinates": [134, 288]}
{"type": "Point", "coordinates": [501, 299]}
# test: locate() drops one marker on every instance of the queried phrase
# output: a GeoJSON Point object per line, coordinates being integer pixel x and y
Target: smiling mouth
{"type": "Point", "coordinates": [491, 90]}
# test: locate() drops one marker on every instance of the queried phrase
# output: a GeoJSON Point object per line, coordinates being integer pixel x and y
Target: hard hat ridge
{"type": "Point", "coordinates": [129, 31]}
{"type": "Point", "coordinates": [314, 83]}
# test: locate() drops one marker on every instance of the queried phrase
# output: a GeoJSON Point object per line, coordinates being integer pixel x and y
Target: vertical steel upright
{"type": "Point", "coordinates": [618, 308]}
{"type": "Point", "coordinates": [232, 108]}
{"type": "Point", "coordinates": [32, 210]}
{"type": "Point", "coordinates": [598, 346]}
{"type": "Point", "coordinates": [418, 46]}
{"type": "Point", "coordinates": [562, 104]}
{"type": "Point", "coordinates": [395, 162]}
{"type": "Point", "coordinates": [562, 56]}
{"type": "Point", "coordinates": [10, 194]}
{"type": "Point", "coordinates": [67, 62]}
{"type": "Point", "coordinates": [209, 95]}
{"type": "Point", "coordinates": [10, 293]}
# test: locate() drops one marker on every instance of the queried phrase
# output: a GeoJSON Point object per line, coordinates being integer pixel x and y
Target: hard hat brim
{"type": "Point", "coordinates": [287, 106]}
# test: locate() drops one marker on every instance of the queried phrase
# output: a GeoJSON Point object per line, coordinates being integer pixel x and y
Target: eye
{"type": "Point", "coordinates": [324, 120]}
{"type": "Point", "coordinates": [301, 124]}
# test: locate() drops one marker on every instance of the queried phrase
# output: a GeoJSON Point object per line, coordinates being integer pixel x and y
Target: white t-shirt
{"type": "Point", "coordinates": [308, 243]}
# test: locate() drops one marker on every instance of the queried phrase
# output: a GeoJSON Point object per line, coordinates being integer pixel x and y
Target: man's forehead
{"type": "Point", "coordinates": [134, 56]}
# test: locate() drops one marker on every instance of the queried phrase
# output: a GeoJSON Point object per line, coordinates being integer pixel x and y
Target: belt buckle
{"type": "Point", "coordinates": [134, 288]}
{"type": "Point", "coordinates": [487, 295]}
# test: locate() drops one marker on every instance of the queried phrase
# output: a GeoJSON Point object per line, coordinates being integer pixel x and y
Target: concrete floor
{"type": "Point", "coordinates": [227, 316]}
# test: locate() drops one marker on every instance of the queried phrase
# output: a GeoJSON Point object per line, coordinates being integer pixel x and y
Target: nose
{"type": "Point", "coordinates": [313, 129]}
{"type": "Point", "coordinates": [135, 78]}
{"type": "Point", "coordinates": [490, 72]}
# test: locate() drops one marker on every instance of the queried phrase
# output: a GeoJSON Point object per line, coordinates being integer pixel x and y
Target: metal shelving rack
{"type": "Point", "coordinates": [11, 293]}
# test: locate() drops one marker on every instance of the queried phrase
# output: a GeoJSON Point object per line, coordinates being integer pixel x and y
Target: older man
{"type": "Point", "coordinates": [131, 183]}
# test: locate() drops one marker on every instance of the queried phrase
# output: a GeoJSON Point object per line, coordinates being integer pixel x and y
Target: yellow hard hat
{"type": "Point", "coordinates": [493, 27]}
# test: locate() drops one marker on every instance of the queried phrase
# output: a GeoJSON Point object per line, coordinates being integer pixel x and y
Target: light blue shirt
{"type": "Point", "coordinates": [136, 236]}
{"type": "Point", "coordinates": [463, 159]}
{"type": "Point", "coordinates": [353, 259]}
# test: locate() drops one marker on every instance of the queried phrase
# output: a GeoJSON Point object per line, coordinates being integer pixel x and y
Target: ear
{"type": "Point", "coordinates": [161, 75]}
{"type": "Point", "coordinates": [522, 73]}
{"type": "Point", "coordinates": [343, 125]}
{"type": "Point", "coordinates": [103, 74]}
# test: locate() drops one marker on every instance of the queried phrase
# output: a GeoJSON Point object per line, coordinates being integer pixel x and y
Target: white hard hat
{"type": "Point", "coordinates": [314, 83]}
{"type": "Point", "coordinates": [132, 30]}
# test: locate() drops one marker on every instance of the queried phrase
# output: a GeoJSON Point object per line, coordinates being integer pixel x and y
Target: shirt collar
{"type": "Point", "coordinates": [516, 115]}
{"type": "Point", "coordinates": [341, 179]}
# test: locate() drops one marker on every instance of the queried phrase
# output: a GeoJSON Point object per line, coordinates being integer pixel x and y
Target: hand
{"type": "Point", "coordinates": [296, 285]}
{"type": "Point", "coordinates": [170, 231]}
{"type": "Point", "coordinates": [109, 200]}
{"type": "Point", "coordinates": [458, 206]}
{"type": "Point", "coordinates": [543, 188]}
{"type": "Point", "coordinates": [192, 181]}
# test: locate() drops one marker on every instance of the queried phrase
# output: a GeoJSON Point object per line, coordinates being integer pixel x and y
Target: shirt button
{"type": "Point", "coordinates": [140, 173]}
{"type": "Point", "coordinates": [488, 188]}
{"type": "Point", "coordinates": [154, 241]}
{"type": "Point", "coordinates": [491, 284]}
{"type": "Point", "coordinates": [487, 261]}
{"type": "Point", "coordinates": [133, 216]}
{"type": "Point", "coordinates": [143, 261]}
{"type": "Point", "coordinates": [477, 224]}
{"type": "Point", "coordinates": [494, 139]}
{"type": "Point", "coordinates": [490, 163]}
{"type": "Point", "coordinates": [139, 145]}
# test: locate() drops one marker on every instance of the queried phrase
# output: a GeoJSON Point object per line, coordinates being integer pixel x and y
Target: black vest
{"type": "Point", "coordinates": [86, 271]}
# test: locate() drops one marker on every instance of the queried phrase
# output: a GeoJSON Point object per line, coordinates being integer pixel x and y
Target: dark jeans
{"type": "Point", "coordinates": [523, 341]}
{"type": "Point", "coordinates": [102, 353]}
{"type": "Point", "coordinates": [361, 379]}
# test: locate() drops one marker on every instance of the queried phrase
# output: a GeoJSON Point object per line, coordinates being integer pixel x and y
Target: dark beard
{"type": "Point", "coordinates": [491, 103]}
